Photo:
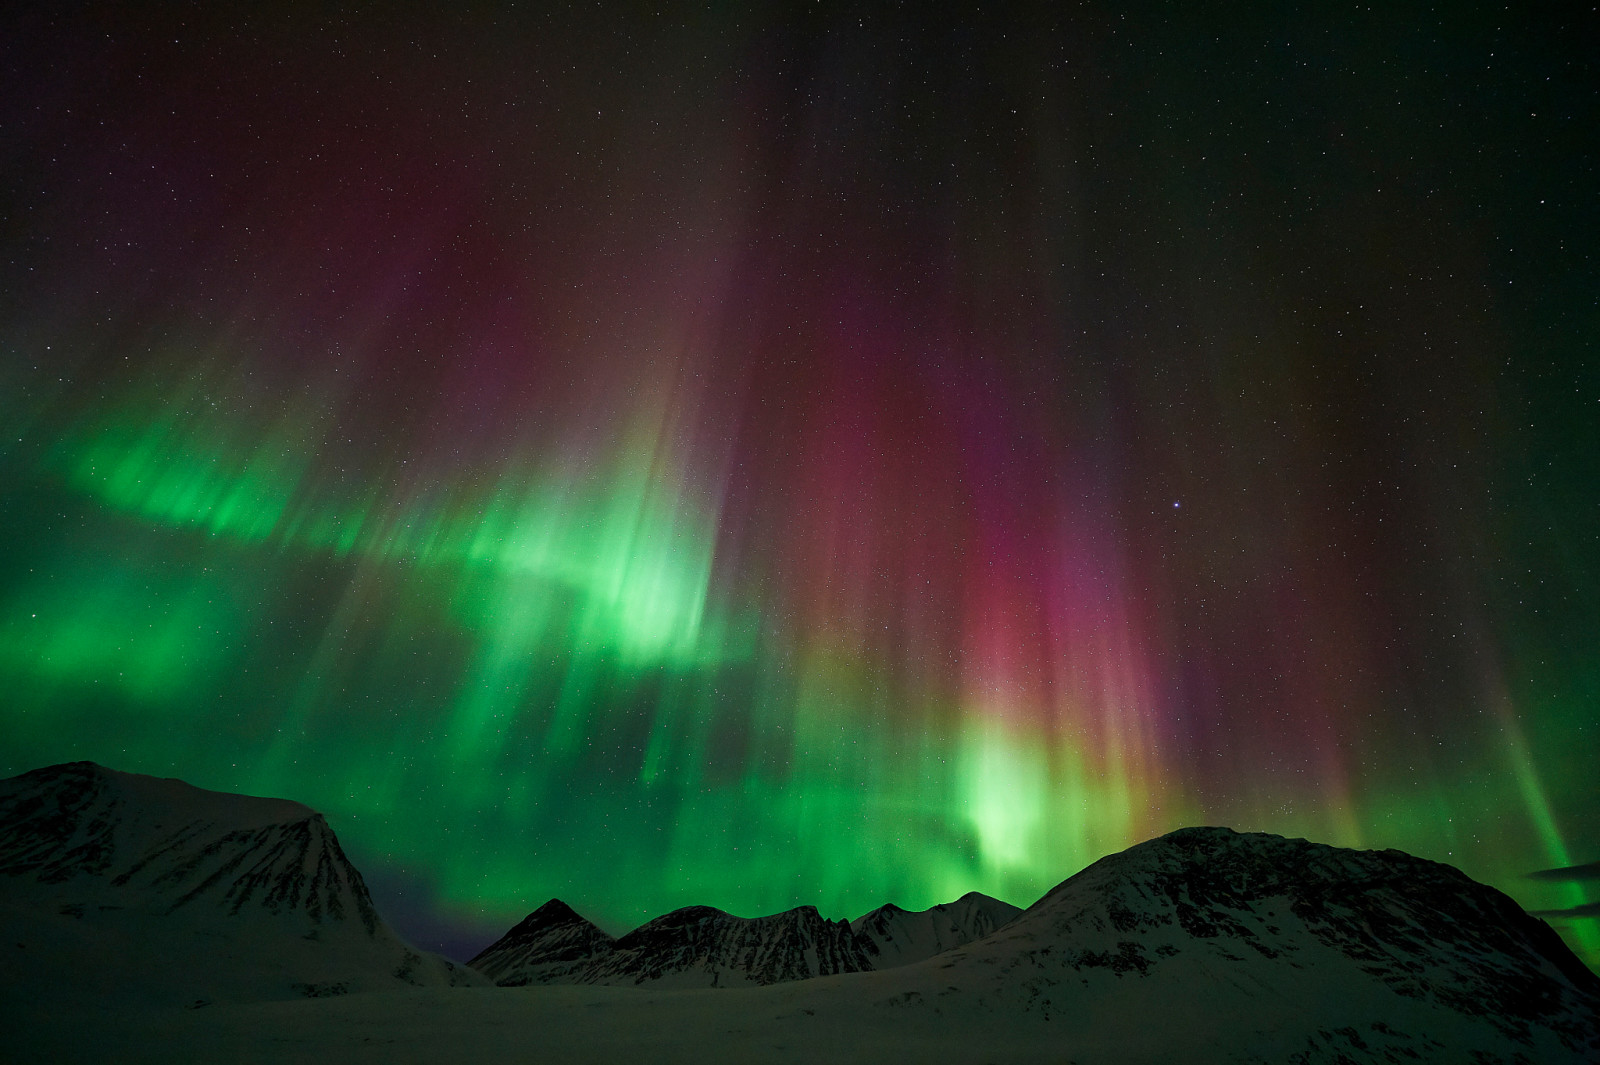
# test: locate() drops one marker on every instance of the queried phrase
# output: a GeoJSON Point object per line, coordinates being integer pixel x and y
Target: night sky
{"type": "Point", "coordinates": [764, 454]}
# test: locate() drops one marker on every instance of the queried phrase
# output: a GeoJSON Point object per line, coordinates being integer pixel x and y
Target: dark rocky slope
{"type": "Point", "coordinates": [136, 887]}
{"type": "Point", "coordinates": [551, 945]}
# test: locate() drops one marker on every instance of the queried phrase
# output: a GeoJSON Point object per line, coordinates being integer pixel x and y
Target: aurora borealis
{"type": "Point", "coordinates": [787, 453]}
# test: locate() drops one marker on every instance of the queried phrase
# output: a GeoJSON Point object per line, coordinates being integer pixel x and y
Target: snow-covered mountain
{"type": "Point", "coordinates": [549, 946]}
{"type": "Point", "coordinates": [1203, 946]}
{"type": "Point", "coordinates": [136, 887]}
{"type": "Point", "coordinates": [1309, 949]}
{"type": "Point", "coordinates": [697, 946]}
{"type": "Point", "coordinates": [900, 937]}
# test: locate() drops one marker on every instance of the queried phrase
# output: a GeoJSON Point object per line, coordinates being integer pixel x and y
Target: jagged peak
{"type": "Point", "coordinates": [971, 898]}
{"type": "Point", "coordinates": [800, 914]}
{"type": "Point", "coordinates": [555, 910]}
{"type": "Point", "coordinates": [698, 915]}
{"type": "Point", "coordinates": [553, 922]}
{"type": "Point", "coordinates": [692, 914]}
{"type": "Point", "coordinates": [553, 914]}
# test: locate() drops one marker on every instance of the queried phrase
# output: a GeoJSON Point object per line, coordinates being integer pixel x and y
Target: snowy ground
{"type": "Point", "coordinates": [859, 1017]}
{"type": "Point", "coordinates": [594, 1025]}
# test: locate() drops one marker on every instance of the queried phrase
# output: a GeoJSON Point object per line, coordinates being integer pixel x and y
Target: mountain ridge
{"type": "Point", "coordinates": [1399, 934]}
{"type": "Point", "coordinates": [898, 936]}
{"type": "Point", "coordinates": [1205, 944]}
{"type": "Point", "coordinates": [550, 944]}
{"type": "Point", "coordinates": [238, 897]}
{"type": "Point", "coordinates": [554, 944]}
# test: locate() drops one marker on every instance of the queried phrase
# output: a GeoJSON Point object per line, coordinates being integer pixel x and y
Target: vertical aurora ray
{"type": "Point", "coordinates": [771, 458]}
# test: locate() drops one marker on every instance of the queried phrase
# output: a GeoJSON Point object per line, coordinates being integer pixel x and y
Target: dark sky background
{"type": "Point", "coordinates": [790, 453]}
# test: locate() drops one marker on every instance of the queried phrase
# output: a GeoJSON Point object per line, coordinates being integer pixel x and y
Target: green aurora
{"type": "Point", "coordinates": [661, 507]}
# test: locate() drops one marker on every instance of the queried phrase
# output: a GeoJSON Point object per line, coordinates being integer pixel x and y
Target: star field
{"type": "Point", "coordinates": [802, 454]}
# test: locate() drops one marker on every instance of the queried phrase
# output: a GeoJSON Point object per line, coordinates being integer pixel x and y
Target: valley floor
{"type": "Point", "coordinates": [548, 1025]}
{"type": "Point", "coordinates": [841, 1020]}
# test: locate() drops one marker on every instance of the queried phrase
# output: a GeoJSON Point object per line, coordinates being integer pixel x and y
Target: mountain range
{"type": "Point", "coordinates": [129, 902]}
{"type": "Point", "coordinates": [699, 946]}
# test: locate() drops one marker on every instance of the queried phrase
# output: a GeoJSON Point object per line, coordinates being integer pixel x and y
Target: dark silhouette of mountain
{"type": "Point", "coordinates": [900, 937]}
{"type": "Point", "coordinates": [702, 946]}
{"type": "Point", "coordinates": [135, 886]}
{"type": "Point", "coordinates": [1255, 925]}
{"type": "Point", "coordinates": [550, 945]}
{"type": "Point", "coordinates": [697, 946]}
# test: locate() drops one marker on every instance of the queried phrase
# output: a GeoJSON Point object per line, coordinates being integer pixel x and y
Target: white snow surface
{"type": "Point", "coordinates": [924, 1012]}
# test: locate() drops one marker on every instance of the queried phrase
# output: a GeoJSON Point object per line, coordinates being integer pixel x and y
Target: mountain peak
{"type": "Point", "coordinates": [546, 946]}
{"type": "Point", "coordinates": [1288, 914]}
{"type": "Point", "coordinates": [555, 912]}
{"type": "Point", "coordinates": [896, 936]}
{"type": "Point", "coordinates": [71, 786]}
{"type": "Point", "coordinates": [700, 946]}
{"type": "Point", "coordinates": [191, 874]}
{"type": "Point", "coordinates": [83, 820]}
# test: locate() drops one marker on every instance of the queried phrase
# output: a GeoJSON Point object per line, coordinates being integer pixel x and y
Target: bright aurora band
{"type": "Point", "coordinates": [768, 454]}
